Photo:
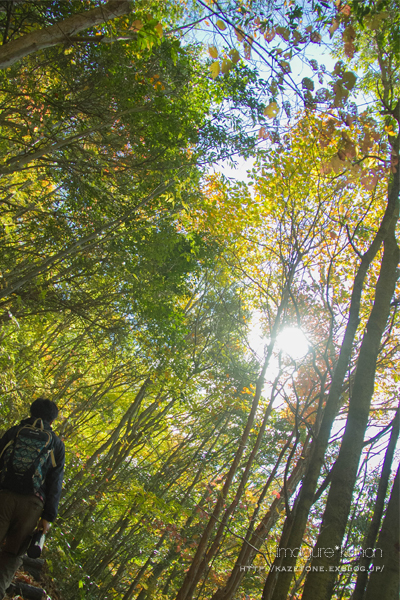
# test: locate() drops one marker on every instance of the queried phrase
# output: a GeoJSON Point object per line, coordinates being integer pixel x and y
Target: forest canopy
{"type": "Point", "coordinates": [223, 349]}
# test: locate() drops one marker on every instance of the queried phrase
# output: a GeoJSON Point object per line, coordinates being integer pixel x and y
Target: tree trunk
{"type": "Point", "coordinates": [370, 539]}
{"type": "Point", "coordinates": [319, 583]}
{"type": "Point", "coordinates": [60, 32]}
{"type": "Point", "coordinates": [384, 579]}
{"type": "Point", "coordinates": [29, 592]}
{"type": "Point", "coordinates": [253, 543]}
{"type": "Point", "coordinates": [198, 565]}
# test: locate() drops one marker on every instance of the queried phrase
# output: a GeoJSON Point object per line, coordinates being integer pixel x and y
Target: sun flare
{"type": "Point", "coordinates": [293, 342]}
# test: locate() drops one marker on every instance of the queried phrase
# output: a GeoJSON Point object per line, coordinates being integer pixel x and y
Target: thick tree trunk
{"type": "Point", "coordinates": [384, 579]}
{"type": "Point", "coordinates": [370, 539]}
{"type": "Point", "coordinates": [29, 592]}
{"type": "Point", "coordinates": [319, 583]}
{"type": "Point", "coordinates": [60, 32]}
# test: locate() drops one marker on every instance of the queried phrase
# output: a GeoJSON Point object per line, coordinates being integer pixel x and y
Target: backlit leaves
{"type": "Point", "coordinates": [215, 69]}
{"type": "Point", "coordinates": [220, 24]}
{"type": "Point", "coordinates": [272, 110]}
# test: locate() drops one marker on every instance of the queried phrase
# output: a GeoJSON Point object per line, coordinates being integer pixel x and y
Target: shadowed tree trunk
{"type": "Point", "coordinates": [370, 540]}
{"type": "Point", "coordinates": [384, 583]}
{"type": "Point", "coordinates": [377, 323]}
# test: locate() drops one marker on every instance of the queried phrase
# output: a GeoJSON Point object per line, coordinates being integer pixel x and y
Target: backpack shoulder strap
{"type": "Point", "coordinates": [10, 442]}
{"type": "Point", "coordinates": [5, 447]}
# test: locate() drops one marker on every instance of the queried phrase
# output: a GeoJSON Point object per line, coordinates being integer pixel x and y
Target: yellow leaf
{"type": "Point", "coordinates": [137, 25]}
{"type": "Point", "coordinates": [213, 52]}
{"type": "Point", "coordinates": [226, 66]}
{"type": "Point", "coordinates": [269, 35]}
{"type": "Point", "coordinates": [272, 110]}
{"type": "Point", "coordinates": [389, 130]}
{"type": "Point", "coordinates": [297, 36]}
{"type": "Point", "coordinates": [221, 25]}
{"type": "Point", "coordinates": [285, 66]}
{"type": "Point", "coordinates": [214, 68]}
{"type": "Point", "coordinates": [283, 32]}
{"type": "Point", "coordinates": [159, 29]}
{"type": "Point", "coordinates": [235, 56]}
{"type": "Point", "coordinates": [374, 22]}
{"type": "Point", "coordinates": [349, 80]}
{"type": "Point", "coordinates": [315, 37]}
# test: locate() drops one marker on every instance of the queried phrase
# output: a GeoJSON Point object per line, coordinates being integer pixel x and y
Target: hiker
{"type": "Point", "coordinates": [31, 473]}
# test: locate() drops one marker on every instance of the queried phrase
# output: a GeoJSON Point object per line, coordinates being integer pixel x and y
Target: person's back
{"type": "Point", "coordinates": [31, 472]}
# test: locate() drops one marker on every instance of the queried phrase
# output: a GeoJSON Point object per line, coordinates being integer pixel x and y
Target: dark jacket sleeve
{"type": "Point", "coordinates": [53, 483]}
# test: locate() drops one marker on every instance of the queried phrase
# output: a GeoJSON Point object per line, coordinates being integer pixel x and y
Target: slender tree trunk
{"type": "Point", "coordinates": [319, 584]}
{"type": "Point", "coordinates": [60, 32]}
{"type": "Point", "coordinates": [197, 566]}
{"type": "Point", "coordinates": [211, 552]}
{"type": "Point", "coordinates": [95, 238]}
{"type": "Point", "coordinates": [370, 539]}
{"type": "Point", "coordinates": [384, 579]}
{"type": "Point", "coordinates": [254, 540]}
{"type": "Point", "coordinates": [173, 553]}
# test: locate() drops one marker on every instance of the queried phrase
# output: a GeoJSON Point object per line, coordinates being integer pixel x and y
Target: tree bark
{"type": "Point", "coordinates": [384, 579]}
{"type": "Point", "coordinates": [198, 565]}
{"type": "Point", "coordinates": [370, 539]}
{"type": "Point", "coordinates": [60, 32]}
{"type": "Point", "coordinates": [319, 583]}
{"type": "Point", "coordinates": [29, 592]}
{"type": "Point", "coordinates": [199, 562]}
{"type": "Point", "coordinates": [278, 583]}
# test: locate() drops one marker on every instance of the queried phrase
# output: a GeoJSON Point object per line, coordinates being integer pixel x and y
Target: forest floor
{"type": "Point", "coordinates": [45, 582]}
